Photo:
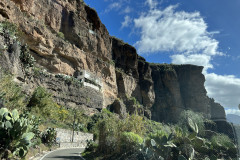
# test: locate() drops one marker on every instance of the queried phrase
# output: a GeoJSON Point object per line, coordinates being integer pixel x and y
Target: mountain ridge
{"type": "Point", "coordinates": [233, 118]}
{"type": "Point", "coordinates": [66, 36]}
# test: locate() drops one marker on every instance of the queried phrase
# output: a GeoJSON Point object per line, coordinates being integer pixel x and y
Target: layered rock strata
{"type": "Point", "coordinates": [66, 36]}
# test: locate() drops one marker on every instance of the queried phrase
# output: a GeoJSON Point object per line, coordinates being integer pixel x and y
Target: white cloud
{"type": "Point", "coordinates": [225, 89]}
{"type": "Point", "coordinates": [127, 21]}
{"type": "Point", "coordinates": [168, 30]}
{"type": "Point", "coordinates": [233, 111]}
{"type": "Point", "coordinates": [197, 59]}
{"type": "Point", "coordinates": [186, 36]}
{"type": "Point", "coordinates": [113, 6]}
{"type": "Point", "coordinates": [127, 10]}
{"type": "Point", "coordinates": [121, 5]}
{"type": "Point", "coordinates": [152, 3]}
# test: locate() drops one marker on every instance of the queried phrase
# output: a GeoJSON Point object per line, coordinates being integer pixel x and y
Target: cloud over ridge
{"type": "Point", "coordinates": [224, 88]}
{"type": "Point", "coordinates": [185, 35]}
{"type": "Point", "coordinates": [167, 30]}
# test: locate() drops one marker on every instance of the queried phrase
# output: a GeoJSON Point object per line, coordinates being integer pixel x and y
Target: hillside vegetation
{"type": "Point", "coordinates": [136, 137]}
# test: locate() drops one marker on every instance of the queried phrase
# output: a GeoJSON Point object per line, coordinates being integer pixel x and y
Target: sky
{"type": "Point", "coordinates": [200, 32]}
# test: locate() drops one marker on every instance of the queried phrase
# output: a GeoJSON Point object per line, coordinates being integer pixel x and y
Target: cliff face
{"type": "Point", "coordinates": [66, 36]}
{"type": "Point", "coordinates": [177, 88]}
{"type": "Point", "coordinates": [133, 74]}
{"type": "Point", "coordinates": [164, 89]}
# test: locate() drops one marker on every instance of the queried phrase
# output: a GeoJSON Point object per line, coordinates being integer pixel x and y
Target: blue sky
{"type": "Point", "coordinates": [201, 32]}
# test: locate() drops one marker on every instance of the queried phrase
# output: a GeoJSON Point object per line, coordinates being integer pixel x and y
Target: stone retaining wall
{"type": "Point", "coordinates": [72, 145]}
{"type": "Point", "coordinates": [64, 138]}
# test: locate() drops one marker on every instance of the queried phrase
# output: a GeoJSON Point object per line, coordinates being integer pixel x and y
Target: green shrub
{"type": "Point", "coordinates": [10, 28]}
{"type": "Point", "coordinates": [92, 124]}
{"type": "Point", "coordinates": [122, 139]}
{"type": "Point", "coordinates": [106, 111]}
{"type": "Point", "coordinates": [166, 67]}
{"type": "Point", "coordinates": [11, 94]}
{"type": "Point", "coordinates": [130, 142]}
{"type": "Point", "coordinates": [133, 123]}
{"type": "Point", "coordinates": [112, 62]}
{"type": "Point", "coordinates": [223, 144]}
{"type": "Point", "coordinates": [188, 117]}
{"type": "Point", "coordinates": [91, 146]}
{"type": "Point", "coordinates": [35, 122]}
{"type": "Point", "coordinates": [107, 129]}
{"type": "Point", "coordinates": [160, 144]}
{"type": "Point", "coordinates": [221, 140]}
{"type": "Point", "coordinates": [153, 127]}
{"type": "Point", "coordinates": [42, 103]}
{"type": "Point", "coordinates": [61, 35]}
{"type": "Point", "coordinates": [110, 131]}
{"type": "Point", "coordinates": [26, 58]}
{"type": "Point", "coordinates": [49, 137]}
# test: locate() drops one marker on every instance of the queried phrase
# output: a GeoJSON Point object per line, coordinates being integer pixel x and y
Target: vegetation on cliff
{"type": "Point", "coordinates": [127, 137]}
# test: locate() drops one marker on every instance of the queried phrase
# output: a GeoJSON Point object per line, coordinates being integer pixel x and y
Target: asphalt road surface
{"type": "Point", "coordinates": [64, 154]}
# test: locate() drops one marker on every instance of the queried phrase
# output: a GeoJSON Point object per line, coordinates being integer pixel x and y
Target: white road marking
{"type": "Point", "coordinates": [62, 149]}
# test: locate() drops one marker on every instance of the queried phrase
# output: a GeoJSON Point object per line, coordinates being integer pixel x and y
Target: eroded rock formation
{"type": "Point", "coordinates": [66, 36]}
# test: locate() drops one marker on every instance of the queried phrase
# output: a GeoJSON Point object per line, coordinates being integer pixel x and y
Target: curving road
{"type": "Point", "coordinates": [64, 154]}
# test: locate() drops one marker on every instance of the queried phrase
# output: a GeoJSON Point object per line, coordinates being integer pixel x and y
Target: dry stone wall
{"type": "Point", "coordinates": [64, 138]}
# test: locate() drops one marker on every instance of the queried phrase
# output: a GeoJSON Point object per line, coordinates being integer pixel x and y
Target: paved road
{"type": "Point", "coordinates": [64, 154]}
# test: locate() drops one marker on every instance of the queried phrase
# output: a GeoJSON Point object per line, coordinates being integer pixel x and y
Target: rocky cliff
{"type": "Point", "coordinates": [67, 36]}
{"type": "Point", "coordinates": [164, 89]}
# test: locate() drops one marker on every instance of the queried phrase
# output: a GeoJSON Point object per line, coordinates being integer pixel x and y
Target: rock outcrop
{"type": "Point", "coordinates": [165, 89]}
{"type": "Point", "coordinates": [66, 36]}
{"type": "Point", "coordinates": [177, 88]}
{"type": "Point", "coordinates": [118, 107]}
{"type": "Point", "coordinates": [217, 111]}
{"type": "Point", "coordinates": [65, 91]}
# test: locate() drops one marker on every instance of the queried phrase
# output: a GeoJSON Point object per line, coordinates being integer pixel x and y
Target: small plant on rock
{"type": "Point", "coordinates": [9, 28]}
{"type": "Point", "coordinates": [26, 58]}
{"type": "Point", "coordinates": [11, 95]}
{"type": "Point", "coordinates": [61, 35]}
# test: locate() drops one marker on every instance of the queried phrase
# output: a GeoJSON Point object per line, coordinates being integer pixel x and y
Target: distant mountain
{"type": "Point", "coordinates": [233, 118]}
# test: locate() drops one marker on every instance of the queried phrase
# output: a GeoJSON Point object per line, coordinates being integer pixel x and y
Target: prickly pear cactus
{"type": "Point", "coordinates": [192, 125]}
{"type": "Point", "coordinates": [15, 133]}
